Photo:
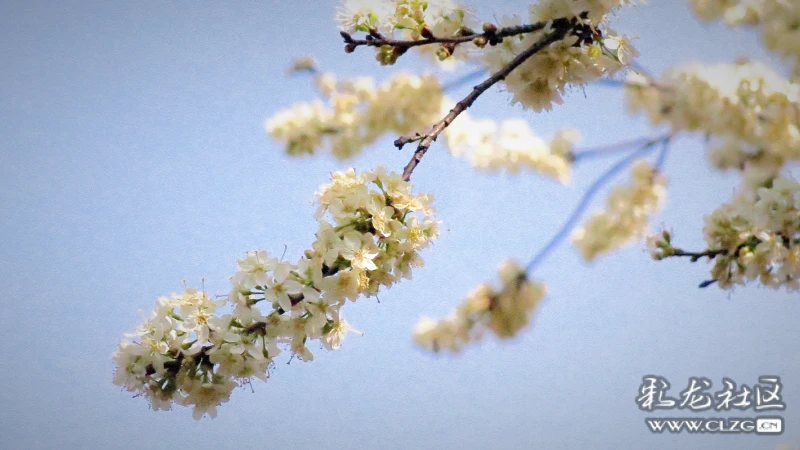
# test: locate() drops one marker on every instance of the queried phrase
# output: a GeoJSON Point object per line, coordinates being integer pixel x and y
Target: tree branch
{"type": "Point", "coordinates": [492, 35]}
{"type": "Point", "coordinates": [751, 243]}
{"type": "Point", "coordinates": [695, 256]}
{"type": "Point", "coordinates": [458, 82]}
{"type": "Point", "coordinates": [557, 34]}
{"type": "Point", "coordinates": [611, 149]}
{"type": "Point", "coordinates": [713, 253]}
{"type": "Point", "coordinates": [648, 83]}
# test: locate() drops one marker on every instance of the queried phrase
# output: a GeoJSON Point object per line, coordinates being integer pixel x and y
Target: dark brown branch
{"type": "Point", "coordinates": [557, 34]}
{"type": "Point", "coordinates": [713, 253]}
{"type": "Point", "coordinates": [492, 36]}
{"type": "Point", "coordinates": [751, 243]}
{"type": "Point", "coordinates": [707, 283]}
{"type": "Point", "coordinates": [257, 327]}
{"type": "Point", "coordinates": [695, 256]}
{"type": "Point", "coordinates": [403, 140]}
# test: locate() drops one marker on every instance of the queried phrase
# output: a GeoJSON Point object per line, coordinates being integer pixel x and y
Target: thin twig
{"type": "Point", "coordinates": [650, 83]}
{"type": "Point", "coordinates": [713, 253]}
{"type": "Point", "coordinates": [492, 36]}
{"type": "Point", "coordinates": [613, 148]}
{"type": "Point", "coordinates": [695, 256]}
{"type": "Point", "coordinates": [462, 80]}
{"type": "Point", "coordinates": [662, 155]}
{"type": "Point", "coordinates": [403, 140]}
{"type": "Point", "coordinates": [461, 106]}
{"type": "Point", "coordinates": [640, 68]}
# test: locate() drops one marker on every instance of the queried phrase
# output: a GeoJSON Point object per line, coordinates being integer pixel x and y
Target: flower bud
{"type": "Point", "coordinates": [480, 41]}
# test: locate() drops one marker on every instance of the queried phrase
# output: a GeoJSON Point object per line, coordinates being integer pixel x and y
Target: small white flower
{"type": "Point", "coordinates": [360, 250]}
{"type": "Point", "coordinates": [281, 286]}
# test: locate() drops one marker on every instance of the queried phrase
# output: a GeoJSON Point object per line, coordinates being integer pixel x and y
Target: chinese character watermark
{"type": "Point", "coordinates": [766, 395]}
{"type": "Point", "coordinates": [697, 396]}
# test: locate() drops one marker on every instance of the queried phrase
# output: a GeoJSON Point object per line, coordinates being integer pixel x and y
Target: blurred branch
{"type": "Point", "coordinates": [662, 155]}
{"type": "Point", "coordinates": [649, 83]}
{"type": "Point", "coordinates": [463, 80]}
{"type": "Point", "coordinates": [614, 148]}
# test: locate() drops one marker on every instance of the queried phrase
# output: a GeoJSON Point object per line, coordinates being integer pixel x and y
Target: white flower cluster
{"type": "Point", "coordinates": [166, 358]}
{"type": "Point", "coordinates": [371, 229]}
{"type": "Point", "coordinates": [777, 19]}
{"type": "Point", "coordinates": [628, 210]}
{"type": "Point", "coordinates": [586, 54]}
{"type": "Point", "coordinates": [594, 11]}
{"type": "Point", "coordinates": [751, 111]}
{"type": "Point", "coordinates": [406, 19]}
{"type": "Point", "coordinates": [503, 312]}
{"type": "Point", "coordinates": [441, 17]}
{"type": "Point", "coordinates": [354, 114]}
{"type": "Point", "coordinates": [511, 146]}
{"type": "Point", "coordinates": [757, 236]}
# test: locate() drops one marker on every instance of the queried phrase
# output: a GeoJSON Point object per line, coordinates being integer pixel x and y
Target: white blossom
{"type": "Point", "coordinates": [191, 353]}
{"type": "Point", "coordinates": [776, 19]}
{"type": "Point", "coordinates": [354, 114]}
{"type": "Point", "coordinates": [511, 146]}
{"type": "Point", "coordinates": [626, 216]}
{"type": "Point", "coordinates": [748, 110]}
{"type": "Point", "coordinates": [364, 15]}
{"type": "Point", "coordinates": [503, 311]}
{"type": "Point", "coordinates": [758, 234]}
{"type": "Point", "coordinates": [542, 80]}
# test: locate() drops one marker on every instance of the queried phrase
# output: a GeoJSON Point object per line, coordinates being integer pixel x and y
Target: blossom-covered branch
{"type": "Point", "coordinates": [748, 112]}
{"type": "Point", "coordinates": [491, 35]}
{"type": "Point", "coordinates": [194, 350]}
{"type": "Point", "coordinates": [776, 20]}
{"type": "Point", "coordinates": [503, 311]}
{"type": "Point", "coordinates": [754, 237]}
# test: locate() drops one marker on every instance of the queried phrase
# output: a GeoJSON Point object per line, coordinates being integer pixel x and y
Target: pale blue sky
{"type": "Point", "coordinates": [133, 156]}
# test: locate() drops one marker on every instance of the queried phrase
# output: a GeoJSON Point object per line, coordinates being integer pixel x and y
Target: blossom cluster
{"type": "Point", "coordinates": [353, 114]}
{"type": "Point", "coordinates": [749, 110]}
{"type": "Point", "coordinates": [626, 217]}
{"type": "Point", "coordinates": [511, 146]}
{"type": "Point", "coordinates": [442, 17]}
{"type": "Point", "coordinates": [191, 352]}
{"type": "Point", "coordinates": [593, 11]}
{"type": "Point", "coordinates": [754, 237]}
{"type": "Point", "coordinates": [502, 311]}
{"type": "Point", "coordinates": [588, 52]}
{"type": "Point", "coordinates": [166, 359]}
{"type": "Point", "coordinates": [777, 20]}
{"type": "Point", "coordinates": [405, 19]}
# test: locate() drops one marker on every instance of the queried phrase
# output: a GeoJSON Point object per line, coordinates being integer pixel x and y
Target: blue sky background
{"type": "Point", "coordinates": [133, 156]}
